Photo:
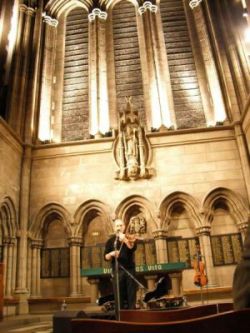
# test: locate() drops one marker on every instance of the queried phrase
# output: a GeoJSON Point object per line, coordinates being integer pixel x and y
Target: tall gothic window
{"type": "Point", "coordinates": [75, 115]}
{"type": "Point", "coordinates": [128, 71]}
{"type": "Point", "coordinates": [186, 93]}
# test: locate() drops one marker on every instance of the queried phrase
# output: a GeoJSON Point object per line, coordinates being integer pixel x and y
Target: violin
{"type": "Point", "coordinates": [200, 277]}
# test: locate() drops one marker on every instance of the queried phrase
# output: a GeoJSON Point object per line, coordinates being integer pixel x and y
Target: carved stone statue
{"type": "Point", "coordinates": [131, 147]}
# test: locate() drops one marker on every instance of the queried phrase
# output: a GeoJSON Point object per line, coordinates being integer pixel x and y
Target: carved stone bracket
{"type": "Point", "coordinates": [131, 147]}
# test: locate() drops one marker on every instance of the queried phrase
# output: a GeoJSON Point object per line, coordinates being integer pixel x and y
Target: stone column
{"type": "Point", "coordinates": [75, 276]}
{"type": "Point", "coordinates": [29, 266]}
{"type": "Point", "coordinates": [206, 251]}
{"type": "Point", "coordinates": [32, 108]}
{"type": "Point", "coordinates": [150, 281]}
{"type": "Point", "coordinates": [14, 264]}
{"type": "Point", "coordinates": [219, 112]}
{"type": "Point", "coordinates": [176, 281]}
{"type": "Point", "coordinates": [9, 267]}
{"type": "Point", "coordinates": [243, 230]}
{"type": "Point", "coordinates": [161, 246]}
{"type": "Point", "coordinates": [21, 288]}
{"type": "Point", "coordinates": [17, 67]}
{"type": "Point", "coordinates": [21, 70]}
{"type": "Point", "coordinates": [239, 68]}
{"type": "Point", "coordinates": [99, 104]}
{"type": "Point", "coordinates": [244, 156]}
{"type": "Point", "coordinates": [94, 289]}
{"type": "Point", "coordinates": [159, 86]}
{"type": "Point", "coordinates": [5, 261]}
{"type": "Point", "coordinates": [44, 133]}
{"type": "Point", "coordinates": [35, 267]}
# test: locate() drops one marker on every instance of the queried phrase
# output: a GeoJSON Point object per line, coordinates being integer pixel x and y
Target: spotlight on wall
{"type": "Point", "coordinates": [194, 3]}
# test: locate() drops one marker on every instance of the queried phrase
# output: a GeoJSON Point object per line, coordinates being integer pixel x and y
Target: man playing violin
{"type": "Point", "coordinates": [122, 247]}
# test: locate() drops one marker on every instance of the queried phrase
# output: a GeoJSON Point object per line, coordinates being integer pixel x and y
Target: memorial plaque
{"type": "Point", "coordinates": [86, 263]}
{"type": "Point", "coordinates": [192, 250]}
{"type": "Point", "coordinates": [237, 247]}
{"type": "Point", "coordinates": [105, 263]}
{"type": "Point", "coordinates": [64, 266]}
{"type": "Point", "coordinates": [96, 260]}
{"type": "Point", "coordinates": [140, 254]}
{"type": "Point", "coordinates": [54, 260]}
{"type": "Point", "coordinates": [45, 263]}
{"type": "Point", "coordinates": [227, 250]}
{"type": "Point", "coordinates": [173, 254]}
{"type": "Point", "coordinates": [183, 250]}
{"type": "Point", "coordinates": [150, 253]}
{"type": "Point", "coordinates": [217, 251]}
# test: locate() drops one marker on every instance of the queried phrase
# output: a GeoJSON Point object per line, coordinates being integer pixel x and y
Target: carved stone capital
{"type": "Point", "coordinates": [50, 21]}
{"type": "Point", "coordinates": [75, 241]}
{"type": "Point", "coordinates": [22, 8]}
{"type": "Point", "coordinates": [160, 234]}
{"type": "Point", "coordinates": [204, 230]}
{"type": "Point", "coordinates": [36, 243]}
{"type": "Point", "coordinates": [243, 226]}
{"type": "Point", "coordinates": [147, 6]}
{"type": "Point", "coordinates": [96, 12]}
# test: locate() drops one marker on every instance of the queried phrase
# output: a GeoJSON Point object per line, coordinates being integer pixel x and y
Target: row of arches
{"type": "Point", "coordinates": [201, 213]}
{"type": "Point", "coordinates": [179, 214]}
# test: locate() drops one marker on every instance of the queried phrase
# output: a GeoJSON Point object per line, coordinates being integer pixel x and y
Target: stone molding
{"type": "Point", "coordinates": [194, 3]}
{"type": "Point", "coordinates": [96, 12]}
{"type": "Point", "coordinates": [50, 21]}
{"type": "Point", "coordinates": [147, 6]}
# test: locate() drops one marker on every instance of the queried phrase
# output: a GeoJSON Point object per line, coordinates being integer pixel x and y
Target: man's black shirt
{"type": "Point", "coordinates": [126, 256]}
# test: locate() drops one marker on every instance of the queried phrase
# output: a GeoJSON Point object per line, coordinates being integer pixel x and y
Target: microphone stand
{"type": "Point", "coordinates": [117, 286]}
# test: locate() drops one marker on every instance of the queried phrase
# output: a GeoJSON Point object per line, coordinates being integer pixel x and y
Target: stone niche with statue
{"type": "Point", "coordinates": [131, 147]}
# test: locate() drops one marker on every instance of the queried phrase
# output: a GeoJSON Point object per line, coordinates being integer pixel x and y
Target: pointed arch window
{"type": "Point", "coordinates": [75, 105]}
{"type": "Point", "coordinates": [128, 72]}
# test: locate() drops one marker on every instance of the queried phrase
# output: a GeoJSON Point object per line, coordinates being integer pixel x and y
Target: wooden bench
{"type": "Point", "coordinates": [174, 315]}
{"type": "Point", "coordinates": [227, 322]}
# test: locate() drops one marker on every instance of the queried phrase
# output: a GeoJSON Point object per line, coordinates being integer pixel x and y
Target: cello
{"type": "Point", "coordinates": [200, 277]}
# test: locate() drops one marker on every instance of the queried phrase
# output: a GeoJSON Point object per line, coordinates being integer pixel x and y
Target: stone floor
{"type": "Point", "coordinates": [27, 324]}
{"type": "Point", "coordinates": [36, 323]}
